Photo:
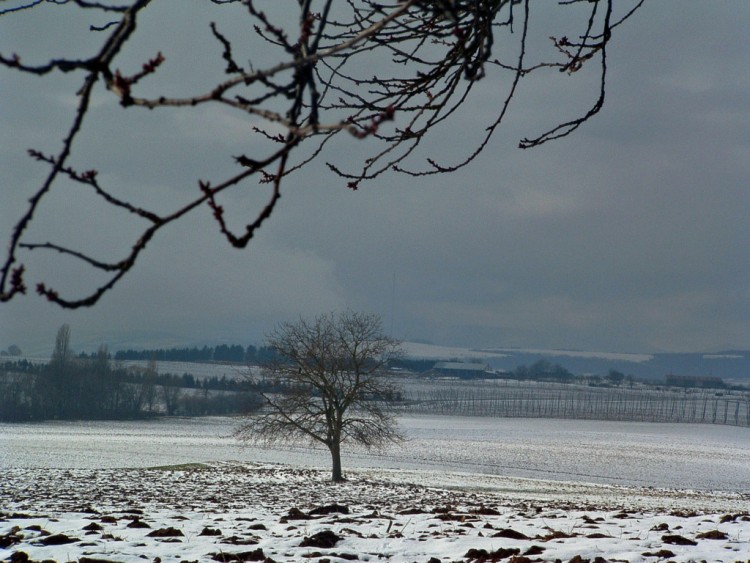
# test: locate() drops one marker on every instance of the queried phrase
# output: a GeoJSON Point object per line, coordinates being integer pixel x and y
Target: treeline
{"type": "Point", "coordinates": [92, 389]}
{"type": "Point", "coordinates": [416, 365]}
{"type": "Point", "coordinates": [72, 388]}
{"type": "Point", "coordinates": [221, 353]}
{"type": "Point", "coordinates": [87, 388]}
{"type": "Point", "coordinates": [543, 370]}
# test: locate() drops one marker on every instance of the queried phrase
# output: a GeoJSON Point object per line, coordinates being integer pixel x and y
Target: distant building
{"type": "Point", "coordinates": [462, 370]}
{"type": "Point", "coordinates": [706, 381]}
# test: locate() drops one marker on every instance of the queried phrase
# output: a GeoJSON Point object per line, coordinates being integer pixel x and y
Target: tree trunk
{"type": "Point", "coordinates": [336, 475]}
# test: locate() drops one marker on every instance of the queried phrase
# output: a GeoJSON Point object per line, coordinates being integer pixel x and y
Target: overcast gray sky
{"type": "Point", "coordinates": [630, 235]}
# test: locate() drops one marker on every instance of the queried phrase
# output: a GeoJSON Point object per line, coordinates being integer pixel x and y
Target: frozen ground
{"type": "Point", "coordinates": [256, 512]}
{"type": "Point", "coordinates": [461, 489]}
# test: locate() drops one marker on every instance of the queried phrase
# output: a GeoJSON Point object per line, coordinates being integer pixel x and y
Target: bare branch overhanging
{"type": "Point", "coordinates": [384, 73]}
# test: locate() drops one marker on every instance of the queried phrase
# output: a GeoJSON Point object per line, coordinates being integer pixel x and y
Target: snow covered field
{"type": "Point", "coordinates": [234, 512]}
{"type": "Point", "coordinates": [461, 489]}
{"type": "Point", "coordinates": [681, 456]}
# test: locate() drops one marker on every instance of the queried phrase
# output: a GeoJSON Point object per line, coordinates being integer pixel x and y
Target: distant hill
{"type": "Point", "coordinates": [728, 365]}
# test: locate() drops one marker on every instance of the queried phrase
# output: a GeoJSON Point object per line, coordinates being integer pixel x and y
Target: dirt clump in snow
{"type": "Point", "coordinates": [255, 555]}
{"type": "Point", "coordinates": [58, 539]}
{"type": "Point", "coordinates": [712, 535]}
{"type": "Point", "coordinates": [512, 534]}
{"type": "Point", "coordinates": [325, 539]}
{"type": "Point", "coordinates": [168, 532]}
{"type": "Point", "coordinates": [329, 509]}
{"type": "Point", "coordinates": [676, 539]}
{"type": "Point", "coordinates": [482, 555]}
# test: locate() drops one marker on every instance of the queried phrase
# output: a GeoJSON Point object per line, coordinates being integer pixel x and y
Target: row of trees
{"type": "Point", "coordinates": [544, 370]}
{"type": "Point", "coordinates": [221, 353]}
{"type": "Point", "coordinates": [76, 387]}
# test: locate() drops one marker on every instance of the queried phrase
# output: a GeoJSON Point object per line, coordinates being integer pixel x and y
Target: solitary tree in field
{"type": "Point", "coordinates": [330, 385]}
{"type": "Point", "coordinates": [297, 75]}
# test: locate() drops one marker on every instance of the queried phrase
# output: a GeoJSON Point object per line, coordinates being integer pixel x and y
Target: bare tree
{"type": "Point", "coordinates": [171, 393]}
{"type": "Point", "coordinates": [58, 386]}
{"type": "Point", "coordinates": [148, 385]}
{"type": "Point", "coordinates": [385, 72]}
{"type": "Point", "coordinates": [62, 354]}
{"type": "Point", "coordinates": [329, 385]}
